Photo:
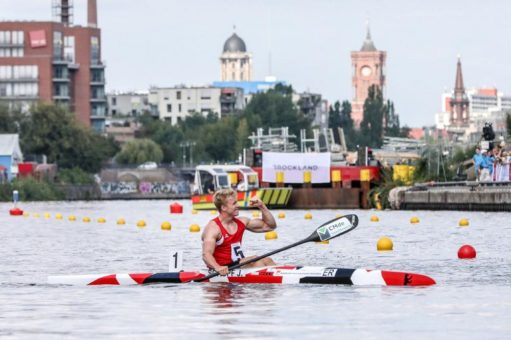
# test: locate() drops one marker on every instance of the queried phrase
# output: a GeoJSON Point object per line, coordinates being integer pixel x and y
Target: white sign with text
{"type": "Point", "coordinates": [293, 165]}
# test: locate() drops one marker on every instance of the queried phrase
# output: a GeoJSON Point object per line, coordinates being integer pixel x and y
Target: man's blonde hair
{"type": "Point", "coordinates": [220, 197]}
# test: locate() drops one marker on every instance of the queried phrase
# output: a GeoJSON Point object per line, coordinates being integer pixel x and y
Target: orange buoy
{"type": "Point", "coordinates": [176, 208]}
{"type": "Point", "coordinates": [467, 252]}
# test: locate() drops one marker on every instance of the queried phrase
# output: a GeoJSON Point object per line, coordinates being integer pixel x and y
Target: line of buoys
{"type": "Point", "coordinates": [308, 216]}
{"type": "Point", "coordinates": [194, 228]}
{"type": "Point", "coordinates": [166, 226]}
{"type": "Point", "coordinates": [375, 218]}
{"type": "Point", "coordinates": [271, 235]}
{"type": "Point", "coordinates": [384, 244]}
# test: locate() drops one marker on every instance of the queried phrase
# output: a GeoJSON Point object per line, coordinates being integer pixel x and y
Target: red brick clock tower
{"type": "Point", "coordinates": [368, 67]}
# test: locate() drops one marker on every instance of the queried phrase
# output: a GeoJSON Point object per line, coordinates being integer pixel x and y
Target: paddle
{"type": "Point", "coordinates": [325, 232]}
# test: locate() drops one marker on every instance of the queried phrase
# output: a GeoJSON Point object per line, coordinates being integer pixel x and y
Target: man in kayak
{"type": "Point", "coordinates": [222, 236]}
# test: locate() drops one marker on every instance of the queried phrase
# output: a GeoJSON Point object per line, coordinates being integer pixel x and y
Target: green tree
{"type": "Point", "coordinates": [139, 151]}
{"type": "Point", "coordinates": [52, 131]}
{"type": "Point", "coordinates": [334, 116]}
{"type": "Point", "coordinates": [371, 127]}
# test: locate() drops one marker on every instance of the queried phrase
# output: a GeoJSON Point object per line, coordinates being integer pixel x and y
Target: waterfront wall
{"type": "Point", "coordinates": [474, 197]}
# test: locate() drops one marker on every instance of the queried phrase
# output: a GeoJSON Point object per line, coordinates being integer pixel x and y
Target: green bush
{"type": "Point", "coordinates": [30, 190]}
{"type": "Point", "coordinates": [74, 176]}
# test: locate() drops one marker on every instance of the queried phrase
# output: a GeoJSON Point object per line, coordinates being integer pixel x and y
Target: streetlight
{"type": "Point", "coordinates": [184, 145]}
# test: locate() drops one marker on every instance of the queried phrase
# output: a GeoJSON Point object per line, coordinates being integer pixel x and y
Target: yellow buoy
{"type": "Point", "coordinates": [47, 215]}
{"type": "Point", "coordinates": [141, 224]}
{"type": "Point", "coordinates": [375, 219]}
{"type": "Point", "coordinates": [384, 244]}
{"type": "Point", "coordinates": [463, 222]}
{"type": "Point", "coordinates": [36, 215]}
{"type": "Point", "coordinates": [308, 216]}
{"type": "Point", "coordinates": [59, 216]}
{"type": "Point", "coordinates": [255, 214]}
{"type": "Point", "coordinates": [213, 212]}
{"type": "Point", "coordinates": [166, 226]}
{"type": "Point", "coordinates": [338, 215]}
{"type": "Point", "coordinates": [271, 235]}
{"type": "Point", "coordinates": [414, 220]}
{"type": "Point", "coordinates": [121, 221]}
{"type": "Point", "coordinates": [323, 242]}
{"type": "Point", "coordinates": [194, 228]}
{"type": "Point", "coordinates": [281, 215]}
{"type": "Point", "coordinates": [194, 211]}
{"type": "Point", "coordinates": [72, 218]}
{"type": "Point", "coordinates": [101, 220]}
{"type": "Point", "coordinates": [86, 219]}
{"type": "Point", "coordinates": [26, 214]}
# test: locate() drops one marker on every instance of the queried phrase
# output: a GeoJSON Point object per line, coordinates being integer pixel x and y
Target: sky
{"type": "Point", "coordinates": [167, 42]}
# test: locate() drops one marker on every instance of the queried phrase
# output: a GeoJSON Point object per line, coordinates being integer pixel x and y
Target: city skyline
{"type": "Point", "coordinates": [181, 42]}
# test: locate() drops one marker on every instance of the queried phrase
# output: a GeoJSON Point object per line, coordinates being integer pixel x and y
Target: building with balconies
{"type": "Point", "coordinates": [55, 62]}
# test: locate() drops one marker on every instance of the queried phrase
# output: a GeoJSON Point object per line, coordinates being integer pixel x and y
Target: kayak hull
{"type": "Point", "coordinates": [265, 275]}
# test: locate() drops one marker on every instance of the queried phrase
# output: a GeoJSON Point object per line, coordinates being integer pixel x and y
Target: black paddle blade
{"type": "Point", "coordinates": [334, 228]}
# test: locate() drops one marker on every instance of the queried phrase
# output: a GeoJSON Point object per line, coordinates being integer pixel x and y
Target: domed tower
{"type": "Point", "coordinates": [235, 61]}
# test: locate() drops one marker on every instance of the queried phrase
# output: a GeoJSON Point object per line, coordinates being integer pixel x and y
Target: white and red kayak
{"type": "Point", "coordinates": [274, 274]}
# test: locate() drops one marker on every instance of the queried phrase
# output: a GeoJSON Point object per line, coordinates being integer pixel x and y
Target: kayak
{"type": "Point", "coordinates": [264, 275]}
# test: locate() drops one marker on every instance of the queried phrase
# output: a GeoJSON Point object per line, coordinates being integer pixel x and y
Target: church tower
{"type": "Point", "coordinates": [235, 61]}
{"type": "Point", "coordinates": [368, 68]}
{"type": "Point", "coordinates": [459, 102]}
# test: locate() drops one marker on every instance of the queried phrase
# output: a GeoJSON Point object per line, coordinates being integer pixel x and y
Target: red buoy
{"type": "Point", "coordinates": [466, 252]}
{"type": "Point", "coordinates": [16, 212]}
{"type": "Point", "coordinates": [176, 208]}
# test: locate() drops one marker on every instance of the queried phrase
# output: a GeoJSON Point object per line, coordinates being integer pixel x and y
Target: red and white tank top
{"type": "Point", "coordinates": [228, 248]}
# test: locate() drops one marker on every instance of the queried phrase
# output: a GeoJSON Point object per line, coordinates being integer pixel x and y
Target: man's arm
{"type": "Point", "coordinates": [264, 224]}
{"type": "Point", "coordinates": [209, 237]}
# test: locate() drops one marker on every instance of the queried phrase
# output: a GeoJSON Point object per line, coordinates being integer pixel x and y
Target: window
{"type": "Point", "coordinates": [94, 50]}
{"type": "Point", "coordinates": [114, 101]}
{"type": "Point", "coordinates": [57, 45]}
{"type": "Point", "coordinates": [179, 108]}
{"type": "Point", "coordinates": [69, 49]}
{"type": "Point", "coordinates": [169, 107]}
{"type": "Point", "coordinates": [12, 43]}
{"type": "Point", "coordinates": [178, 95]}
{"type": "Point", "coordinates": [114, 112]}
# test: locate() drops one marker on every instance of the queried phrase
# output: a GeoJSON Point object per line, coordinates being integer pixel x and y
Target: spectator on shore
{"type": "Point", "coordinates": [502, 170]}
{"type": "Point", "coordinates": [486, 165]}
{"type": "Point", "coordinates": [478, 162]}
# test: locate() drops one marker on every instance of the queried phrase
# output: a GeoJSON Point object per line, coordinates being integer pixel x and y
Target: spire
{"type": "Point", "coordinates": [459, 86]}
{"type": "Point", "coordinates": [368, 45]}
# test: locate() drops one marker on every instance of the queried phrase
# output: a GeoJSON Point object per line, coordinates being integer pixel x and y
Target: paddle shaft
{"type": "Point", "coordinates": [255, 259]}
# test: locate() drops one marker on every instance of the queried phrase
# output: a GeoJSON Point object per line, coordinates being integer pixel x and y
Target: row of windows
{"type": "Point", "coordinates": [11, 37]}
{"type": "Point", "coordinates": [19, 89]}
{"type": "Point", "coordinates": [11, 52]}
{"type": "Point", "coordinates": [19, 72]}
{"type": "Point", "coordinates": [180, 109]}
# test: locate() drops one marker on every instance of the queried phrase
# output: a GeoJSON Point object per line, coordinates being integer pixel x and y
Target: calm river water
{"type": "Point", "coordinates": [472, 298]}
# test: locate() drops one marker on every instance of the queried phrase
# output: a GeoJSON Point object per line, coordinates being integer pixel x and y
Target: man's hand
{"type": "Point", "coordinates": [256, 202]}
{"type": "Point", "coordinates": [222, 270]}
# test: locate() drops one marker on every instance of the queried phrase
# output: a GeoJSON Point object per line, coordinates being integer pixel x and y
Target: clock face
{"type": "Point", "coordinates": [366, 71]}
